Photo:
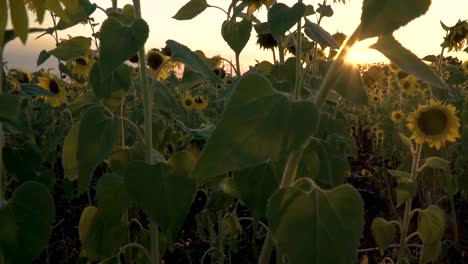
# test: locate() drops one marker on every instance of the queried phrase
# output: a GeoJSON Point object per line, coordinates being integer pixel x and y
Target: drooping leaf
{"type": "Point", "coordinates": [406, 190]}
{"type": "Point", "coordinates": [75, 12]}
{"type": "Point", "coordinates": [19, 19]}
{"type": "Point", "coordinates": [379, 17]}
{"type": "Point", "coordinates": [34, 211]}
{"type": "Point", "coordinates": [96, 139]}
{"type": "Point", "coordinates": [190, 59]}
{"type": "Point", "coordinates": [43, 56]}
{"type": "Point", "coordinates": [325, 10]}
{"type": "Point", "coordinates": [9, 107]}
{"type": "Point", "coordinates": [112, 197]}
{"type": "Point", "coordinates": [190, 10]}
{"type": "Point", "coordinates": [257, 124]}
{"type": "Point", "coordinates": [383, 232]}
{"type": "Point", "coordinates": [236, 34]}
{"type": "Point", "coordinates": [281, 17]}
{"type": "Point", "coordinates": [406, 60]}
{"type": "Point", "coordinates": [162, 192]}
{"type": "Point", "coordinates": [430, 252]}
{"type": "Point", "coordinates": [72, 48]}
{"type": "Point", "coordinates": [436, 163]}
{"type": "Point", "coordinates": [254, 186]}
{"type": "Point", "coordinates": [431, 226]}
{"type": "Point", "coordinates": [320, 35]}
{"type": "Point", "coordinates": [104, 85]}
{"type": "Point", "coordinates": [304, 224]}
{"type": "Point", "coordinates": [120, 42]}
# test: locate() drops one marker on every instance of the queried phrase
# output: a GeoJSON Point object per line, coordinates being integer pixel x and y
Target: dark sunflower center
{"type": "Point", "coordinates": [24, 78]}
{"type": "Point", "coordinates": [198, 100]}
{"type": "Point", "coordinates": [432, 122]}
{"type": "Point", "coordinates": [53, 87]}
{"type": "Point", "coordinates": [81, 61]}
{"type": "Point", "coordinates": [188, 102]}
{"type": "Point", "coordinates": [397, 116]}
{"type": "Point", "coordinates": [406, 85]}
{"type": "Point", "coordinates": [155, 60]}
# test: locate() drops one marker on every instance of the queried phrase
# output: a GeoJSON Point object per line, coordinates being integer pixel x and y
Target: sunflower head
{"type": "Point", "coordinates": [82, 65]}
{"type": "Point", "coordinates": [20, 75]}
{"type": "Point", "coordinates": [464, 67]}
{"type": "Point", "coordinates": [266, 41]}
{"type": "Point", "coordinates": [155, 59]}
{"type": "Point", "coordinates": [380, 134]}
{"type": "Point", "coordinates": [397, 116]}
{"type": "Point", "coordinates": [188, 102]}
{"type": "Point", "coordinates": [408, 84]}
{"type": "Point", "coordinates": [200, 102]}
{"type": "Point", "coordinates": [434, 123]}
{"type": "Point", "coordinates": [52, 84]}
{"type": "Point", "coordinates": [375, 98]}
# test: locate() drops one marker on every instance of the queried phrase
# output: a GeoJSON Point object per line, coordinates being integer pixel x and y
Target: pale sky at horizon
{"type": "Point", "coordinates": [423, 36]}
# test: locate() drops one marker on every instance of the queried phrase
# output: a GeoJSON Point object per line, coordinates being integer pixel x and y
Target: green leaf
{"type": "Point", "coordinates": [406, 60]}
{"type": "Point", "coordinates": [254, 186]}
{"type": "Point", "coordinates": [304, 224]}
{"type": "Point", "coordinates": [75, 12]}
{"type": "Point", "coordinates": [431, 58]}
{"type": "Point", "coordinates": [380, 17]}
{"type": "Point", "coordinates": [383, 232]}
{"type": "Point", "coordinates": [34, 211]}
{"type": "Point", "coordinates": [162, 192]}
{"type": "Point", "coordinates": [406, 140]}
{"type": "Point", "coordinates": [436, 163]}
{"type": "Point", "coordinates": [399, 174]}
{"type": "Point", "coordinates": [406, 190]}
{"type": "Point", "coordinates": [96, 139]}
{"type": "Point", "coordinates": [19, 19]}
{"type": "Point", "coordinates": [23, 163]}
{"type": "Point", "coordinates": [3, 19]}
{"type": "Point", "coordinates": [320, 35]}
{"type": "Point", "coordinates": [112, 197]}
{"type": "Point", "coordinates": [281, 17]}
{"type": "Point", "coordinates": [29, 89]}
{"type": "Point", "coordinates": [258, 124]}
{"type": "Point", "coordinates": [8, 232]}
{"type": "Point", "coordinates": [430, 252]}
{"type": "Point", "coordinates": [9, 107]}
{"type": "Point", "coordinates": [119, 42]}
{"type": "Point", "coordinates": [71, 49]}
{"type": "Point", "coordinates": [191, 60]}
{"type": "Point", "coordinates": [236, 34]}
{"type": "Point", "coordinates": [190, 10]}
{"type": "Point", "coordinates": [104, 85]}
{"type": "Point", "coordinates": [325, 10]}
{"type": "Point", "coordinates": [431, 224]}
{"type": "Point", "coordinates": [43, 56]}
{"type": "Point", "coordinates": [99, 239]}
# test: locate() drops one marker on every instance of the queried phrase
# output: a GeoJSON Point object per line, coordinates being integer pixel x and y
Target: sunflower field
{"type": "Point", "coordinates": [130, 154]}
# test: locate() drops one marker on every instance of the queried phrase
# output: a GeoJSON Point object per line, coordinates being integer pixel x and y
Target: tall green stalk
{"type": "Point", "coordinates": [2, 180]}
{"type": "Point", "coordinates": [407, 214]}
{"type": "Point", "coordinates": [297, 83]}
{"type": "Point", "coordinates": [147, 110]}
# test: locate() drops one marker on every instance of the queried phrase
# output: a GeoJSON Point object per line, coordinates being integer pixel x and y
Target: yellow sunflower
{"type": "Point", "coordinates": [379, 134]}
{"type": "Point", "coordinates": [397, 116]}
{"type": "Point", "coordinates": [20, 75]}
{"type": "Point", "coordinates": [188, 102]}
{"type": "Point", "coordinates": [434, 123]}
{"type": "Point", "coordinates": [408, 84]}
{"type": "Point", "coordinates": [375, 99]}
{"type": "Point", "coordinates": [464, 67]}
{"type": "Point", "coordinates": [82, 65]}
{"type": "Point", "coordinates": [200, 102]}
{"type": "Point", "coordinates": [52, 84]}
{"type": "Point", "coordinates": [155, 60]}
{"type": "Point", "coordinates": [365, 173]}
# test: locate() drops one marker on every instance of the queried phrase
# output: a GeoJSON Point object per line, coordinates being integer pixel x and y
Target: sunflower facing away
{"type": "Point", "coordinates": [82, 65]}
{"type": "Point", "coordinates": [397, 116]}
{"type": "Point", "coordinates": [434, 123]}
{"type": "Point", "coordinates": [52, 84]}
{"type": "Point", "coordinates": [154, 60]}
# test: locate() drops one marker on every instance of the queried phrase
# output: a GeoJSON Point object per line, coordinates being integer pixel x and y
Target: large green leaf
{"type": "Point", "coordinates": [254, 186]}
{"type": "Point", "coordinates": [383, 232]}
{"type": "Point", "coordinates": [164, 192]}
{"type": "Point", "coordinates": [380, 17]}
{"type": "Point", "coordinates": [9, 107]}
{"type": "Point", "coordinates": [320, 35]}
{"type": "Point", "coordinates": [119, 42]}
{"type": "Point", "coordinates": [258, 124]}
{"type": "Point", "coordinates": [3, 19]}
{"type": "Point", "coordinates": [236, 34]}
{"type": "Point", "coordinates": [76, 11]}
{"type": "Point", "coordinates": [19, 19]}
{"type": "Point", "coordinates": [190, 59]}
{"type": "Point", "coordinates": [34, 211]}
{"type": "Point", "coordinates": [431, 226]}
{"type": "Point", "coordinates": [190, 10]}
{"type": "Point", "coordinates": [71, 49]}
{"type": "Point", "coordinates": [406, 190]}
{"type": "Point", "coordinates": [309, 226]}
{"type": "Point", "coordinates": [406, 60]}
{"type": "Point", "coordinates": [70, 146]}
{"type": "Point", "coordinates": [281, 17]}
{"type": "Point", "coordinates": [99, 239]}
{"type": "Point", "coordinates": [112, 197]}
{"type": "Point", "coordinates": [96, 139]}
{"type": "Point", "coordinates": [23, 163]}
{"type": "Point", "coordinates": [104, 85]}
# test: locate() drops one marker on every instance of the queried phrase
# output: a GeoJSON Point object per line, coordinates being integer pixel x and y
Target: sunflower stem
{"type": "Point", "coordinates": [147, 108]}
{"type": "Point", "coordinates": [407, 215]}
{"type": "Point", "coordinates": [280, 50]}
{"type": "Point", "coordinates": [453, 216]}
{"type": "Point", "coordinates": [2, 180]}
{"type": "Point", "coordinates": [297, 82]}
{"type": "Point", "coordinates": [238, 69]}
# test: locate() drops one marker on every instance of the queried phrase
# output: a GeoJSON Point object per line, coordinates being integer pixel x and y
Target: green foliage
{"type": "Point", "coordinates": [431, 226]}
{"type": "Point", "coordinates": [3, 19]}
{"type": "Point", "coordinates": [383, 232]}
{"type": "Point", "coordinates": [75, 12]}
{"type": "Point", "coordinates": [9, 107]}
{"type": "Point", "coordinates": [236, 34]}
{"type": "Point", "coordinates": [406, 190]}
{"type": "Point", "coordinates": [19, 19]}
{"type": "Point", "coordinates": [281, 17]}
{"type": "Point", "coordinates": [72, 48]}
{"type": "Point", "coordinates": [318, 34]}
{"type": "Point", "coordinates": [258, 125]}
{"type": "Point", "coordinates": [436, 163]}
{"type": "Point", "coordinates": [190, 10]}
{"type": "Point", "coordinates": [105, 86]}
{"type": "Point", "coordinates": [305, 223]}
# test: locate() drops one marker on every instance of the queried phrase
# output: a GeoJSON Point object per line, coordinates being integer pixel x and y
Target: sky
{"type": "Point", "coordinates": [423, 36]}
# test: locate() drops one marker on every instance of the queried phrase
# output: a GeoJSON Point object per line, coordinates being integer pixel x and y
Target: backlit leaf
{"type": "Point", "coordinates": [236, 34]}
{"type": "Point", "coordinates": [281, 17]}
{"type": "Point", "coordinates": [70, 145]}
{"type": "Point", "coordinates": [320, 35]}
{"type": "Point", "coordinates": [9, 107]}
{"type": "Point", "coordinates": [19, 19]}
{"type": "Point", "coordinates": [72, 48]}
{"type": "Point", "coordinates": [383, 232]}
{"type": "Point", "coordinates": [190, 10]}
{"type": "Point", "coordinates": [75, 12]}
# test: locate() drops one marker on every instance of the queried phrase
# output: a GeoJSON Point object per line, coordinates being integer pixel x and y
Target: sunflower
{"type": "Point", "coordinates": [375, 99]}
{"type": "Point", "coordinates": [20, 75]}
{"type": "Point", "coordinates": [464, 67]}
{"type": "Point", "coordinates": [379, 134]}
{"type": "Point", "coordinates": [52, 84]}
{"type": "Point", "coordinates": [188, 102]}
{"type": "Point", "coordinates": [200, 102]}
{"type": "Point", "coordinates": [434, 123]}
{"type": "Point", "coordinates": [155, 59]}
{"type": "Point", "coordinates": [408, 84]}
{"type": "Point", "coordinates": [397, 116]}
{"type": "Point", "coordinates": [82, 65]}
{"type": "Point", "coordinates": [266, 41]}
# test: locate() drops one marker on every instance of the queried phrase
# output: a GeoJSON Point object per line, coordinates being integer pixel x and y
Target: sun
{"type": "Point", "coordinates": [360, 53]}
